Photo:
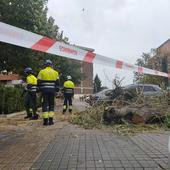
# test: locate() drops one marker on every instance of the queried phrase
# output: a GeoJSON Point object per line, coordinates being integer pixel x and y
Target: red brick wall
{"type": "Point", "coordinates": [88, 72]}
{"type": "Point", "coordinates": [164, 51]}
{"type": "Point", "coordinates": [84, 91]}
{"type": "Point", "coordinates": [87, 84]}
{"type": "Point", "coordinates": [165, 48]}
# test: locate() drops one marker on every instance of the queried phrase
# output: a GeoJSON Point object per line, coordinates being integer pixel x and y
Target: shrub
{"type": "Point", "coordinates": [11, 100]}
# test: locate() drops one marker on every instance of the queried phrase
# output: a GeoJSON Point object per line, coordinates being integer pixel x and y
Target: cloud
{"type": "Point", "coordinates": [120, 29]}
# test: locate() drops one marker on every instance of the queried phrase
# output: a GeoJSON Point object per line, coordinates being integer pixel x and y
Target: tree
{"type": "Point", "coordinates": [143, 62]}
{"type": "Point", "coordinates": [32, 16]}
{"type": "Point", "coordinates": [67, 67]}
{"type": "Point", "coordinates": [150, 60]}
{"type": "Point", "coordinates": [97, 84]}
{"type": "Point", "coordinates": [104, 87]}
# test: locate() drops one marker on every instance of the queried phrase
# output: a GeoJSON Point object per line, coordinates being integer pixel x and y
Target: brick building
{"type": "Point", "coordinates": [165, 48]}
{"type": "Point", "coordinates": [163, 51]}
{"type": "Point", "coordinates": [86, 85]}
{"type": "Point", "coordinates": [161, 61]}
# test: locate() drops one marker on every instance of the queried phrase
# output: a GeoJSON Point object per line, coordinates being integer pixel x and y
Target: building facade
{"type": "Point", "coordinates": [161, 60]}
{"type": "Point", "coordinates": [86, 85]}
{"type": "Point", "coordinates": [165, 47]}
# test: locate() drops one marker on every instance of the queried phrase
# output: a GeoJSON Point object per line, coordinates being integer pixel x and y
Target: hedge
{"type": "Point", "coordinates": [11, 100]}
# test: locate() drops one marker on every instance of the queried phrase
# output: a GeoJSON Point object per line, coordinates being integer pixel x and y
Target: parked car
{"type": "Point", "coordinates": [145, 89]}
{"type": "Point", "coordinates": [102, 95]}
{"type": "Point", "coordinates": [110, 94]}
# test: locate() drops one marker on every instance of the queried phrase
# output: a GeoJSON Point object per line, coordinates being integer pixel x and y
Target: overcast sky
{"type": "Point", "coordinates": [120, 29]}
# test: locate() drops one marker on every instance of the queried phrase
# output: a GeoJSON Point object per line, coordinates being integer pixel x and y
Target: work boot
{"type": "Point", "coordinates": [64, 111]}
{"type": "Point", "coordinates": [35, 117]}
{"type": "Point", "coordinates": [51, 121]}
{"type": "Point", "coordinates": [29, 115]}
{"type": "Point", "coordinates": [70, 110]}
{"type": "Point", "coordinates": [45, 121]}
{"type": "Point", "coordinates": [26, 117]}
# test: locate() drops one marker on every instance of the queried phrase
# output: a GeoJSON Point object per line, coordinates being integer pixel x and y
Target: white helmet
{"type": "Point", "coordinates": [69, 77]}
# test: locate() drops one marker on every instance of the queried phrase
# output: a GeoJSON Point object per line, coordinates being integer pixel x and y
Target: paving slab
{"type": "Point", "coordinates": [26, 145]}
{"type": "Point", "coordinates": [74, 148]}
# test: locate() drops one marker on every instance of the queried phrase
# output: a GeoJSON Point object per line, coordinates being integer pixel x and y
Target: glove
{"type": "Point", "coordinates": [57, 89]}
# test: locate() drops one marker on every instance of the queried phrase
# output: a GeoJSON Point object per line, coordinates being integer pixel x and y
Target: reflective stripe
{"type": "Point", "coordinates": [70, 107]}
{"type": "Point", "coordinates": [34, 90]}
{"type": "Point", "coordinates": [34, 87]}
{"type": "Point", "coordinates": [64, 107]}
{"type": "Point", "coordinates": [51, 114]}
{"type": "Point", "coordinates": [46, 83]}
{"type": "Point", "coordinates": [69, 91]}
{"type": "Point", "coordinates": [45, 87]}
{"type": "Point", "coordinates": [45, 115]}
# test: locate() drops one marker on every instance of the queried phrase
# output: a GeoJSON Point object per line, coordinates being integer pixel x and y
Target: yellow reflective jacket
{"type": "Point", "coordinates": [69, 87]}
{"type": "Point", "coordinates": [31, 81]}
{"type": "Point", "coordinates": [69, 84]}
{"type": "Point", "coordinates": [48, 78]}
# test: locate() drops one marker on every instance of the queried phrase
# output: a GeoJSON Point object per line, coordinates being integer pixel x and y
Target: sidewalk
{"type": "Point", "coordinates": [28, 145]}
{"type": "Point", "coordinates": [74, 148]}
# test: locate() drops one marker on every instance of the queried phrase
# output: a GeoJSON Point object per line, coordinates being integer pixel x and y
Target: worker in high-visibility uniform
{"type": "Point", "coordinates": [48, 83]}
{"type": "Point", "coordinates": [68, 91]}
{"type": "Point", "coordinates": [30, 94]}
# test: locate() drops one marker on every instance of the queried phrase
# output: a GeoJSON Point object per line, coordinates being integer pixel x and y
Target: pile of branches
{"type": "Point", "coordinates": [90, 118]}
{"type": "Point", "coordinates": [126, 107]}
{"type": "Point", "coordinates": [132, 106]}
{"type": "Point", "coordinates": [125, 116]}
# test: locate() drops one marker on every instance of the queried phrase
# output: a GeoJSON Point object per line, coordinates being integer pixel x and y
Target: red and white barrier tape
{"type": "Point", "coordinates": [20, 37]}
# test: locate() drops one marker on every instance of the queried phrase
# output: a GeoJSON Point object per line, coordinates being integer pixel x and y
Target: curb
{"type": "Point", "coordinates": [12, 114]}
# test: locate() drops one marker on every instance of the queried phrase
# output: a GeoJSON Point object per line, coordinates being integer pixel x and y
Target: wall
{"type": "Point", "coordinates": [86, 86]}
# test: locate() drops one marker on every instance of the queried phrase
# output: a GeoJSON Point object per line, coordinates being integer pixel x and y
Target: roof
{"type": "Point", "coordinates": [9, 77]}
{"type": "Point", "coordinates": [164, 43]}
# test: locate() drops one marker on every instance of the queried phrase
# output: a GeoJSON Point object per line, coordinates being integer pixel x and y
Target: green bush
{"type": "Point", "coordinates": [11, 100]}
{"type": "Point", "coordinates": [167, 120]}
